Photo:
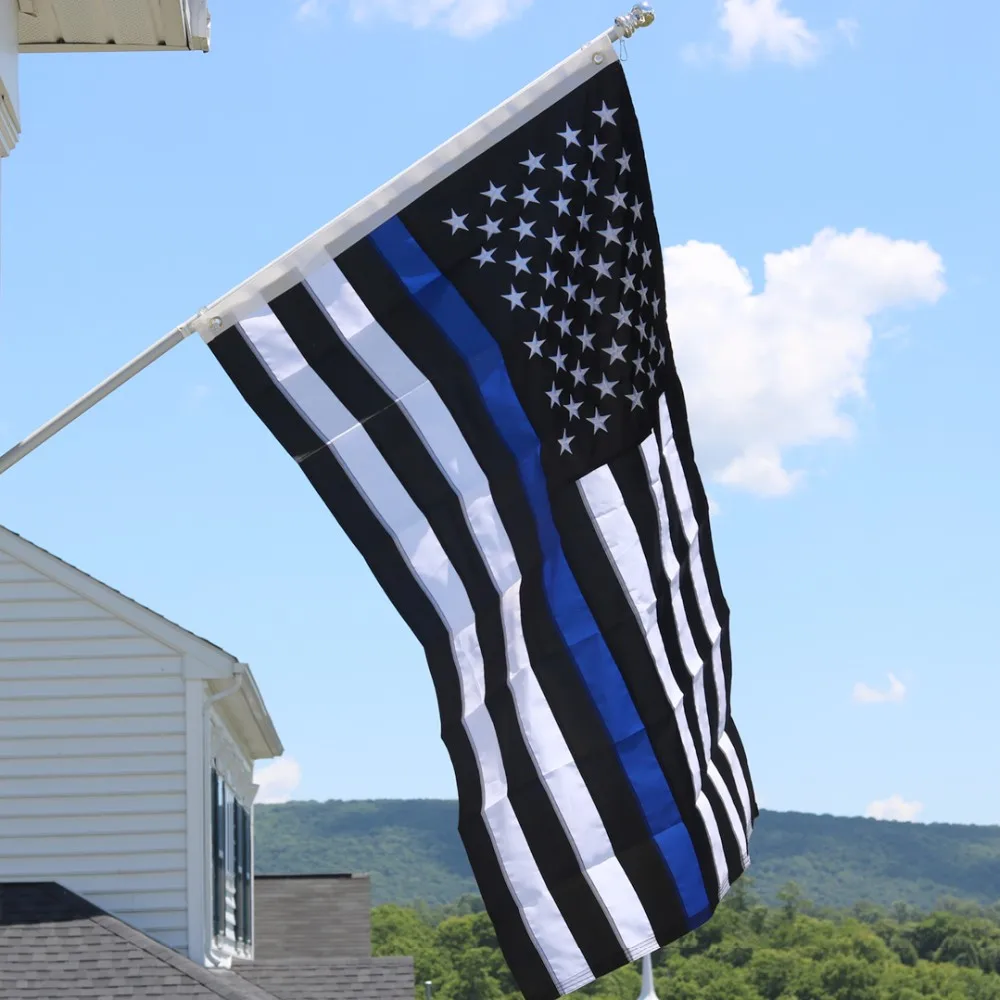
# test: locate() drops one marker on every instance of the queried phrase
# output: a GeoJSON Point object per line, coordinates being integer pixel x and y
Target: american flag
{"type": "Point", "coordinates": [477, 379]}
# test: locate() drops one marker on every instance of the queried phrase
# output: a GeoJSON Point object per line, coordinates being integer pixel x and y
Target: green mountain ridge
{"type": "Point", "coordinates": [412, 850]}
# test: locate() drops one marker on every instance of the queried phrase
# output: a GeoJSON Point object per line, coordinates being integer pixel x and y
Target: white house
{"type": "Point", "coordinates": [127, 747]}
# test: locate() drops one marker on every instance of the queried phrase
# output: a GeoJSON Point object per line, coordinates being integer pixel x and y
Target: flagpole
{"type": "Point", "coordinates": [648, 988]}
{"type": "Point", "coordinates": [626, 25]}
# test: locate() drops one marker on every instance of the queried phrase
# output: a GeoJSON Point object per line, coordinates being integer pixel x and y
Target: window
{"type": "Point", "coordinates": [218, 855]}
{"type": "Point", "coordinates": [244, 886]}
{"type": "Point", "coordinates": [232, 863]}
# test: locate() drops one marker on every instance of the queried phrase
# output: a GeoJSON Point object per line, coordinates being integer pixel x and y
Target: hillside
{"type": "Point", "coordinates": [413, 853]}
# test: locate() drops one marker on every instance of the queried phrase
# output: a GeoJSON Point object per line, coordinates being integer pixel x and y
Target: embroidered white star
{"type": "Point", "coordinates": [495, 194]}
{"type": "Point", "coordinates": [566, 169]}
{"type": "Point", "coordinates": [644, 294]}
{"type": "Point", "coordinates": [610, 235]}
{"type": "Point", "coordinates": [637, 209]}
{"type": "Point", "coordinates": [656, 305]}
{"type": "Point", "coordinates": [570, 290]}
{"type": "Point", "coordinates": [491, 227]}
{"type": "Point", "coordinates": [534, 346]}
{"type": "Point", "coordinates": [577, 256]}
{"type": "Point", "coordinates": [549, 275]}
{"type": "Point", "coordinates": [594, 302]}
{"type": "Point", "coordinates": [562, 204]}
{"type": "Point", "coordinates": [559, 360]}
{"type": "Point", "coordinates": [533, 163]}
{"type": "Point", "coordinates": [525, 229]}
{"type": "Point", "coordinates": [543, 310]}
{"type": "Point", "coordinates": [555, 395]}
{"type": "Point", "coordinates": [606, 114]}
{"type": "Point", "coordinates": [607, 388]}
{"type": "Point", "coordinates": [573, 409]}
{"type": "Point", "coordinates": [583, 220]}
{"type": "Point", "coordinates": [624, 162]}
{"type": "Point", "coordinates": [515, 298]}
{"type": "Point", "coordinates": [590, 183]}
{"type": "Point", "coordinates": [599, 420]}
{"type": "Point", "coordinates": [647, 258]}
{"type": "Point", "coordinates": [586, 340]}
{"type": "Point", "coordinates": [628, 280]}
{"type": "Point", "coordinates": [528, 196]}
{"type": "Point", "coordinates": [485, 256]}
{"type": "Point", "coordinates": [564, 325]}
{"type": "Point", "coordinates": [579, 374]}
{"type": "Point", "coordinates": [555, 241]}
{"type": "Point", "coordinates": [617, 199]}
{"type": "Point", "coordinates": [565, 444]}
{"type": "Point", "coordinates": [570, 136]}
{"type": "Point", "coordinates": [597, 148]}
{"type": "Point", "coordinates": [457, 222]}
{"type": "Point", "coordinates": [520, 264]}
{"type": "Point", "coordinates": [636, 398]}
{"type": "Point", "coordinates": [616, 352]}
{"type": "Point", "coordinates": [633, 247]}
{"type": "Point", "coordinates": [602, 268]}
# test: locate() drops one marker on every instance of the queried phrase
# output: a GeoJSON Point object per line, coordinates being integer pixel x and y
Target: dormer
{"type": "Point", "coordinates": [127, 747]}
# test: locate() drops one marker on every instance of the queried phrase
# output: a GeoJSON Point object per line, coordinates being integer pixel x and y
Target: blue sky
{"type": "Point", "coordinates": [825, 184]}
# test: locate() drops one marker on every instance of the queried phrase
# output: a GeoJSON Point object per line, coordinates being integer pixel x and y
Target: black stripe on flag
{"type": "Point", "coordinates": [377, 547]}
{"type": "Point", "coordinates": [677, 408]}
{"type": "Point", "coordinates": [629, 471]}
{"type": "Point", "coordinates": [310, 328]}
{"type": "Point", "coordinates": [610, 606]}
{"type": "Point", "coordinates": [575, 714]}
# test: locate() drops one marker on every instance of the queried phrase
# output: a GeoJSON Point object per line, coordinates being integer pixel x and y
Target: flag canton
{"type": "Point", "coordinates": [551, 239]}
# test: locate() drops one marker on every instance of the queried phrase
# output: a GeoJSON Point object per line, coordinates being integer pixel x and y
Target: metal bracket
{"type": "Point", "coordinates": [641, 16]}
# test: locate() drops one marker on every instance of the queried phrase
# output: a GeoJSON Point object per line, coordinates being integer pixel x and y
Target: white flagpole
{"type": "Point", "coordinates": [207, 321]}
{"type": "Point", "coordinates": [648, 989]}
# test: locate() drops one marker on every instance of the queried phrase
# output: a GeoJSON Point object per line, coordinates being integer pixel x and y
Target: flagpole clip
{"type": "Point", "coordinates": [641, 16]}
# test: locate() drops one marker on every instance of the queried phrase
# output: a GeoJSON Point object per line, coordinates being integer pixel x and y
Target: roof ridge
{"type": "Point", "coordinates": [214, 980]}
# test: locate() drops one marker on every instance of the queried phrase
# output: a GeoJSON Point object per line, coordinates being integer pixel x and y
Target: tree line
{"type": "Point", "coordinates": [747, 951]}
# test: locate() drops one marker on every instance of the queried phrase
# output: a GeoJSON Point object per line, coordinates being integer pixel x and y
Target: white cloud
{"type": "Point", "coordinates": [277, 780]}
{"type": "Point", "coordinates": [895, 807]}
{"type": "Point", "coordinates": [866, 695]}
{"type": "Point", "coordinates": [765, 27]}
{"type": "Point", "coordinates": [310, 10]}
{"type": "Point", "coordinates": [770, 371]}
{"type": "Point", "coordinates": [464, 18]}
{"type": "Point", "coordinates": [849, 28]}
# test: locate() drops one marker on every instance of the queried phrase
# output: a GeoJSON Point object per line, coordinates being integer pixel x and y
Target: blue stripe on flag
{"type": "Point", "coordinates": [439, 298]}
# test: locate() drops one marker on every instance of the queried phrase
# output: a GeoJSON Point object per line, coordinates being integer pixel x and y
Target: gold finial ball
{"type": "Point", "coordinates": [645, 13]}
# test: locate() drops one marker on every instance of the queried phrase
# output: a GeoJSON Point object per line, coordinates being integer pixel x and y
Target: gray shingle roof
{"type": "Point", "coordinates": [336, 979]}
{"type": "Point", "coordinates": [54, 945]}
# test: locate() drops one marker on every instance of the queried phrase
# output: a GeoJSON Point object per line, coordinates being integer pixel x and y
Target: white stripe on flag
{"type": "Point", "coordinates": [682, 496]}
{"type": "Point", "coordinates": [739, 777]}
{"type": "Point", "coordinates": [621, 541]}
{"type": "Point", "coordinates": [433, 422]}
{"type": "Point", "coordinates": [421, 548]}
{"type": "Point", "coordinates": [651, 459]}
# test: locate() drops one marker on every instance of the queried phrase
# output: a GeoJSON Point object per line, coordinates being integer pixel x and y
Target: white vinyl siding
{"type": "Point", "coordinates": [92, 755]}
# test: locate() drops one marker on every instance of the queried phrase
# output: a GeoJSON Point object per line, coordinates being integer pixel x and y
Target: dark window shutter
{"type": "Point", "coordinates": [238, 835]}
{"type": "Point", "coordinates": [248, 875]}
{"type": "Point", "coordinates": [217, 923]}
{"type": "Point", "coordinates": [220, 857]}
